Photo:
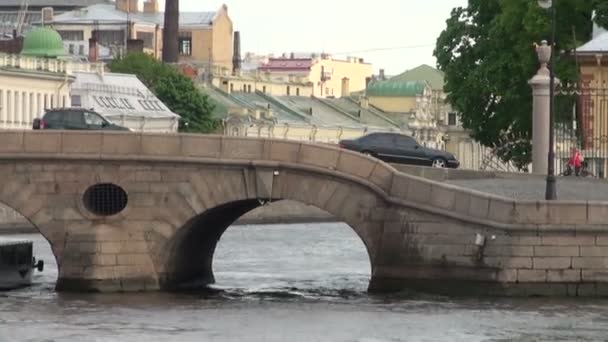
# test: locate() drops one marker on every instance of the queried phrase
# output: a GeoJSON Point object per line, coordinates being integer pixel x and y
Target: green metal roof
{"type": "Point", "coordinates": [43, 42]}
{"type": "Point", "coordinates": [427, 73]}
{"type": "Point", "coordinates": [395, 88]}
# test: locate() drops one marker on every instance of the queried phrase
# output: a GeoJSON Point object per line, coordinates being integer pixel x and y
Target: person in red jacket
{"type": "Point", "coordinates": [576, 161]}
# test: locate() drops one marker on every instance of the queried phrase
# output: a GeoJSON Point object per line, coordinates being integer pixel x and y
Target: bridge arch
{"type": "Point", "coordinates": [188, 255]}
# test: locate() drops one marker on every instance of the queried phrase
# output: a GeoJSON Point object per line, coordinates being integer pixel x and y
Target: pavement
{"type": "Point", "coordinates": [568, 188]}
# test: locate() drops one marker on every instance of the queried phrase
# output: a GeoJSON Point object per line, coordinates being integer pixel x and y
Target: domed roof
{"type": "Point", "coordinates": [43, 42]}
{"type": "Point", "coordinates": [396, 88]}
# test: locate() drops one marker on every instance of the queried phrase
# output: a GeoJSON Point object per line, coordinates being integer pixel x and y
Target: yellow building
{"type": "Point", "coordinates": [252, 82]}
{"type": "Point", "coordinates": [329, 77]}
{"type": "Point", "coordinates": [204, 37]}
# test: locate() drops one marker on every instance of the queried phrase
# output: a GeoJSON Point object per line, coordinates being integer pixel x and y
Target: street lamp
{"type": "Point", "coordinates": [551, 191]}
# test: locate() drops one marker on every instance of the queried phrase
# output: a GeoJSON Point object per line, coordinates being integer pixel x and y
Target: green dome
{"type": "Point", "coordinates": [396, 88]}
{"type": "Point", "coordinates": [43, 42]}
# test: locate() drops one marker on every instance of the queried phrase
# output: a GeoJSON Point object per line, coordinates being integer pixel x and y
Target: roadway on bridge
{"type": "Point", "coordinates": [568, 188]}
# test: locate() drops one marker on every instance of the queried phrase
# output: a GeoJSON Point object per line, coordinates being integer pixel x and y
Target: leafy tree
{"type": "Point", "coordinates": [175, 90]}
{"type": "Point", "coordinates": [487, 54]}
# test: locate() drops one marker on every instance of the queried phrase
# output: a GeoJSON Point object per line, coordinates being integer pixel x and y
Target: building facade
{"type": "Point", "coordinates": [205, 38]}
{"type": "Point", "coordinates": [328, 76]}
{"type": "Point", "coordinates": [36, 80]}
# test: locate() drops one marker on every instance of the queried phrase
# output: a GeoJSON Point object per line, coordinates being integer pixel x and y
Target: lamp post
{"type": "Point", "coordinates": [551, 191]}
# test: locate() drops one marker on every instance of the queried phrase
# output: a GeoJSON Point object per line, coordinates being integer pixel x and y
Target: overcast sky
{"type": "Point", "coordinates": [340, 27]}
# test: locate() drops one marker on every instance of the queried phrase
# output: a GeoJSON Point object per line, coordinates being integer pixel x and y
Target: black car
{"type": "Point", "coordinates": [400, 149]}
{"type": "Point", "coordinates": [75, 118]}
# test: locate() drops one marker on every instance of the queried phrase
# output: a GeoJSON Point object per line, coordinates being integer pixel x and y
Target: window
{"type": "Point", "coordinates": [73, 119]}
{"type": "Point", "coordinates": [54, 117]}
{"type": "Point", "coordinates": [68, 35]}
{"type": "Point", "coordinates": [288, 90]}
{"type": "Point", "coordinates": [379, 139]}
{"type": "Point", "coordinates": [405, 142]}
{"type": "Point", "coordinates": [297, 91]}
{"type": "Point", "coordinates": [264, 89]}
{"type": "Point", "coordinates": [127, 103]}
{"type": "Point", "coordinates": [71, 49]}
{"type": "Point", "coordinates": [81, 50]}
{"type": "Point", "coordinates": [76, 101]}
{"type": "Point", "coordinates": [93, 119]}
{"type": "Point", "coordinates": [451, 119]}
{"type": "Point", "coordinates": [185, 46]}
{"type": "Point", "coordinates": [147, 38]}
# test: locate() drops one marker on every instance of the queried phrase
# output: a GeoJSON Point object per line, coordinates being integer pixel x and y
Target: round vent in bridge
{"type": "Point", "coordinates": [105, 199]}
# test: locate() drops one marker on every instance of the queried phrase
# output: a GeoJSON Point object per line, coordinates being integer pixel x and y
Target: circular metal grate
{"type": "Point", "coordinates": [105, 199]}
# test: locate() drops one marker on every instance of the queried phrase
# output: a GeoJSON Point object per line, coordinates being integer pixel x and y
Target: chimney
{"type": "Point", "coordinates": [367, 81]}
{"type": "Point", "coordinates": [151, 6]}
{"type": "Point", "coordinates": [122, 5]}
{"type": "Point", "coordinates": [47, 15]}
{"type": "Point", "coordinates": [382, 76]}
{"type": "Point", "coordinates": [133, 6]}
{"type": "Point", "coordinates": [292, 55]}
{"type": "Point", "coordinates": [236, 57]}
{"type": "Point", "coordinates": [345, 87]}
{"type": "Point", "coordinates": [93, 50]}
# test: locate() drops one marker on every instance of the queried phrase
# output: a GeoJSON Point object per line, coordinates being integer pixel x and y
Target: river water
{"type": "Point", "coordinates": [288, 283]}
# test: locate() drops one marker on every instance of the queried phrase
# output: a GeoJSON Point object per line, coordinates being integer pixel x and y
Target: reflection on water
{"type": "Point", "coordinates": [288, 283]}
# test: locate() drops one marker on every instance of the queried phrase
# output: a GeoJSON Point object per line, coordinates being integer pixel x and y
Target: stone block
{"type": "Point", "coordinates": [400, 185]}
{"type": "Point", "coordinates": [559, 251]}
{"type": "Point", "coordinates": [434, 252]}
{"type": "Point", "coordinates": [201, 146]}
{"type": "Point", "coordinates": [590, 263]}
{"type": "Point", "coordinates": [507, 251]}
{"type": "Point", "coordinates": [480, 206]}
{"type": "Point", "coordinates": [133, 259]}
{"type": "Point", "coordinates": [67, 214]}
{"type": "Point", "coordinates": [527, 240]}
{"type": "Point", "coordinates": [284, 151]}
{"type": "Point", "coordinates": [567, 213]}
{"type": "Point", "coordinates": [531, 276]}
{"type": "Point", "coordinates": [161, 145]}
{"type": "Point", "coordinates": [241, 148]}
{"type": "Point", "coordinates": [601, 240]}
{"type": "Point", "coordinates": [533, 212]}
{"type": "Point", "coordinates": [175, 175]}
{"type": "Point", "coordinates": [419, 191]}
{"type": "Point", "coordinates": [103, 259]}
{"type": "Point", "coordinates": [442, 197]}
{"type": "Point", "coordinates": [42, 177]}
{"type": "Point", "coordinates": [121, 144]}
{"type": "Point", "coordinates": [143, 187]}
{"type": "Point", "coordinates": [147, 176]}
{"type": "Point", "coordinates": [568, 240]}
{"type": "Point", "coordinates": [11, 141]}
{"type": "Point", "coordinates": [81, 142]}
{"type": "Point", "coordinates": [597, 213]}
{"type": "Point", "coordinates": [356, 164]}
{"type": "Point", "coordinates": [595, 275]}
{"type": "Point", "coordinates": [449, 228]}
{"type": "Point", "coordinates": [462, 202]}
{"type": "Point", "coordinates": [502, 210]}
{"type": "Point", "coordinates": [594, 251]}
{"type": "Point", "coordinates": [564, 276]}
{"type": "Point", "coordinates": [317, 155]}
{"type": "Point", "coordinates": [47, 142]}
{"type": "Point", "coordinates": [507, 276]}
{"type": "Point", "coordinates": [552, 263]}
{"type": "Point", "coordinates": [441, 239]}
{"type": "Point", "coordinates": [508, 262]}
{"type": "Point", "coordinates": [382, 176]}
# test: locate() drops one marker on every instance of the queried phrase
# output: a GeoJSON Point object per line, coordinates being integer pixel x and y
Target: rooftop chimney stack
{"type": "Point", "coordinates": [93, 50]}
{"type": "Point", "coordinates": [236, 57]}
{"type": "Point", "coordinates": [133, 6]}
{"type": "Point", "coordinates": [151, 6]}
{"type": "Point", "coordinates": [382, 76]}
{"type": "Point", "coordinates": [47, 15]}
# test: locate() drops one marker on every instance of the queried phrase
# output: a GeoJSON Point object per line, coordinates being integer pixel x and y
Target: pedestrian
{"type": "Point", "coordinates": [576, 161]}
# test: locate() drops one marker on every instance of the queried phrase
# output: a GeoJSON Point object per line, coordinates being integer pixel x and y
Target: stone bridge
{"type": "Point", "coordinates": [133, 212]}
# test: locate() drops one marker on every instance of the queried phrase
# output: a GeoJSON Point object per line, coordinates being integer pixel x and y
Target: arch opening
{"type": "Point", "coordinates": [16, 227]}
{"type": "Point", "coordinates": [325, 254]}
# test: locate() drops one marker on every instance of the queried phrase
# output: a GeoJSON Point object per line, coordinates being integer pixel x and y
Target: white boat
{"type": "Point", "coordinates": [17, 263]}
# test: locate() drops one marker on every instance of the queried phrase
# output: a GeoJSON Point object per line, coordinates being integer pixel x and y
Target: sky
{"type": "Point", "coordinates": [402, 32]}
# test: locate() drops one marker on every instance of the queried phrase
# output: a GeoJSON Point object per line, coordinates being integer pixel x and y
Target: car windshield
{"type": "Point", "coordinates": [94, 119]}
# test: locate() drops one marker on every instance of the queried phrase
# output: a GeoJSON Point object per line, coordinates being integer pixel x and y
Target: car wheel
{"type": "Point", "coordinates": [440, 163]}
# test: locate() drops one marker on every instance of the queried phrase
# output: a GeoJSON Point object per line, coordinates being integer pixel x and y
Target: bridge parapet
{"type": "Point", "coordinates": [394, 186]}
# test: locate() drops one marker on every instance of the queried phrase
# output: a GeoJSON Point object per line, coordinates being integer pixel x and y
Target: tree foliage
{"type": "Point", "coordinates": [175, 90]}
{"type": "Point", "coordinates": [487, 54]}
